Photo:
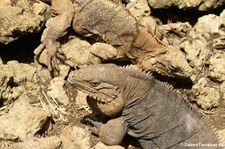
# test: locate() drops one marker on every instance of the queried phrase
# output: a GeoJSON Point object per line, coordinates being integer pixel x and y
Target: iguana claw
{"type": "Point", "coordinates": [52, 48]}
{"type": "Point", "coordinates": [52, 53]}
{"type": "Point", "coordinates": [97, 125]}
{"type": "Point", "coordinates": [39, 49]}
{"type": "Point", "coordinates": [108, 134]}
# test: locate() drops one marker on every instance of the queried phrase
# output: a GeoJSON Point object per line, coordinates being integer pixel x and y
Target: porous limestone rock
{"type": "Point", "coordinates": [21, 72]}
{"type": "Point", "coordinates": [15, 79]}
{"type": "Point", "coordinates": [21, 17]}
{"type": "Point", "coordinates": [206, 29]}
{"type": "Point", "coordinates": [64, 71]}
{"type": "Point", "coordinates": [5, 76]}
{"type": "Point", "coordinates": [22, 121]}
{"type": "Point", "coordinates": [197, 52]}
{"type": "Point", "coordinates": [174, 32]}
{"type": "Point", "coordinates": [33, 90]}
{"type": "Point", "coordinates": [222, 14]}
{"type": "Point", "coordinates": [205, 95]}
{"type": "Point", "coordinates": [75, 138]}
{"type": "Point", "coordinates": [104, 52]}
{"type": "Point", "coordinates": [52, 142]}
{"type": "Point", "coordinates": [138, 8]}
{"type": "Point", "coordinates": [217, 67]}
{"type": "Point", "coordinates": [100, 145]}
{"type": "Point", "coordinates": [56, 91]}
{"type": "Point", "coordinates": [76, 52]}
{"type": "Point", "coordinates": [202, 43]}
{"type": "Point", "coordinates": [222, 90]}
{"type": "Point", "coordinates": [203, 47]}
{"type": "Point", "coordinates": [81, 102]}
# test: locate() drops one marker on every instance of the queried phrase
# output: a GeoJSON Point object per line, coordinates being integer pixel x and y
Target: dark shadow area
{"type": "Point", "coordinates": [1, 103]}
{"type": "Point", "coordinates": [177, 15]}
{"type": "Point", "coordinates": [21, 49]}
{"type": "Point", "coordinates": [177, 83]}
{"type": "Point", "coordinates": [128, 140]}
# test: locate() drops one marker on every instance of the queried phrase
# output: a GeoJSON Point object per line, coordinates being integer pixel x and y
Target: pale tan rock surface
{"type": "Point", "coordinates": [39, 143]}
{"type": "Point", "coordinates": [205, 95]}
{"type": "Point", "coordinates": [22, 121]}
{"type": "Point", "coordinates": [139, 8]}
{"type": "Point", "coordinates": [21, 17]}
{"type": "Point", "coordinates": [76, 52]}
{"type": "Point", "coordinates": [217, 67]}
{"type": "Point", "coordinates": [74, 137]}
{"type": "Point", "coordinates": [21, 72]}
{"type": "Point", "coordinates": [5, 76]}
{"type": "Point", "coordinates": [56, 91]}
{"type": "Point", "coordinates": [100, 145]}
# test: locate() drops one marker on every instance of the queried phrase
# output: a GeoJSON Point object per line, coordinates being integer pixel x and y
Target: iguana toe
{"type": "Point", "coordinates": [97, 125]}
{"type": "Point", "coordinates": [38, 50]}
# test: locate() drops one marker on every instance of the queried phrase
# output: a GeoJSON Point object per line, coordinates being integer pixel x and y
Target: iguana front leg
{"type": "Point", "coordinates": [111, 133]}
{"type": "Point", "coordinates": [56, 28]}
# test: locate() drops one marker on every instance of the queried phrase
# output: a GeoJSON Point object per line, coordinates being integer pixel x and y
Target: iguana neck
{"type": "Point", "coordinates": [136, 89]}
{"type": "Point", "coordinates": [148, 43]}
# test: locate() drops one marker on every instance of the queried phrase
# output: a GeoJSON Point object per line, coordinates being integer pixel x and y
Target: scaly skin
{"type": "Point", "coordinates": [142, 107]}
{"type": "Point", "coordinates": [108, 21]}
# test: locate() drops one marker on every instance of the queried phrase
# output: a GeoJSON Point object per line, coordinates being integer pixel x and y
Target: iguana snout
{"type": "Point", "coordinates": [171, 63]}
{"type": "Point", "coordinates": [105, 95]}
{"type": "Point", "coordinates": [175, 62]}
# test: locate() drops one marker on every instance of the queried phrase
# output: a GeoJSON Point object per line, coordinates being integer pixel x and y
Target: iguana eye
{"type": "Point", "coordinates": [172, 67]}
{"type": "Point", "coordinates": [94, 83]}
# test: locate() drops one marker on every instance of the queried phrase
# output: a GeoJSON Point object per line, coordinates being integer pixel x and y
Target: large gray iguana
{"type": "Point", "coordinates": [142, 107]}
{"type": "Point", "coordinates": [110, 22]}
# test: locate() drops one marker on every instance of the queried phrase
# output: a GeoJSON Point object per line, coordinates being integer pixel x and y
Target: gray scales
{"type": "Point", "coordinates": [142, 107]}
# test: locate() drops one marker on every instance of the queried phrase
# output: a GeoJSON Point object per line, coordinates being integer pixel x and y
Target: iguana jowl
{"type": "Point", "coordinates": [142, 107]}
{"type": "Point", "coordinates": [110, 22]}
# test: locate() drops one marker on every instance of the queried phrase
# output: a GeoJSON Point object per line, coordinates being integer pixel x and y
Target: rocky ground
{"type": "Point", "coordinates": [40, 111]}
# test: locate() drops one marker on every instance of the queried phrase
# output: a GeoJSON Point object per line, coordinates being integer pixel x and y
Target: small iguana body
{"type": "Point", "coordinates": [110, 22]}
{"type": "Point", "coordinates": [142, 107]}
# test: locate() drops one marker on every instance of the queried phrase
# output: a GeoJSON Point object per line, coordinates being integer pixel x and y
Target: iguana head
{"type": "Point", "coordinates": [103, 83]}
{"type": "Point", "coordinates": [170, 62]}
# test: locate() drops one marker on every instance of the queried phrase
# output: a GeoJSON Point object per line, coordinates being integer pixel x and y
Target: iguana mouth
{"type": "Point", "coordinates": [174, 74]}
{"type": "Point", "coordinates": [109, 104]}
{"type": "Point", "coordinates": [98, 95]}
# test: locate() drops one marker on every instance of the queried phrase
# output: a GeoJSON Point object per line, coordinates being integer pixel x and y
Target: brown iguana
{"type": "Point", "coordinates": [142, 107]}
{"type": "Point", "coordinates": [110, 22]}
